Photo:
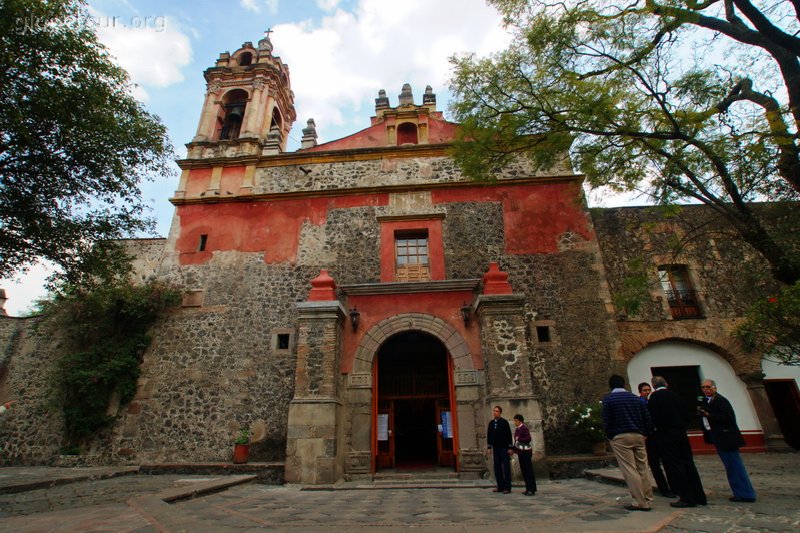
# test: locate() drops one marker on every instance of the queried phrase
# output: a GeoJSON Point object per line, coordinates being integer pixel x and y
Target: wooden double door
{"type": "Point", "coordinates": [414, 426]}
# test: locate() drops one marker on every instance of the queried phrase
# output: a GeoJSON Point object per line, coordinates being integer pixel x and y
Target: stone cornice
{"type": "Point", "coordinates": [330, 156]}
{"type": "Point", "coordinates": [382, 189]}
{"type": "Point", "coordinates": [451, 285]}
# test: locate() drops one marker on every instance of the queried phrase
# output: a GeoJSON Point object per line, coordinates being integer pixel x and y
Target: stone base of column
{"type": "Point", "coordinates": [776, 443]}
{"type": "Point", "coordinates": [312, 450]}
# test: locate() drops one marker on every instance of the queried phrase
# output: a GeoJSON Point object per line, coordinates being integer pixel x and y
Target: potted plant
{"type": "Point", "coordinates": [241, 447]}
{"type": "Point", "coordinates": [587, 422]}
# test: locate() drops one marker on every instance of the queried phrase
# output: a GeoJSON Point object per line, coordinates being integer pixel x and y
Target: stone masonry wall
{"type": "Point", "coordinates": [321, 176]}
{"type": "Point", "coordinates": [727, 274]}
{"type": "Point", "coordinates": [31, 431]}
{"type": "Point", "coordinates": [213, 368]}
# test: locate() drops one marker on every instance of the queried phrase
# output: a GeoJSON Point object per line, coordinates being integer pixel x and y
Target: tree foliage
{"type": "Point", "coordinates": [690, 100]}
{"type": "Point", "coordinates": [772, 326]}
{"type": "Point", "coordinates": [74, 144]}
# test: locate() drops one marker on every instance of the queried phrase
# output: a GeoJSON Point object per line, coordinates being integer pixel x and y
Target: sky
{"type": "Point", "coordinates": [340, 53]}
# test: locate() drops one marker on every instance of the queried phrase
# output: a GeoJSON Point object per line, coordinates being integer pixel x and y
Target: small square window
{"type": "Point", "coordinates": [543, 333]}
{"type": "Point", "coordinates": [283, 341]}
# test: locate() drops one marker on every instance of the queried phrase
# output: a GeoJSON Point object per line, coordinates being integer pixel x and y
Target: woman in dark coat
{"type": "Point", "coordinates": [523, 447]}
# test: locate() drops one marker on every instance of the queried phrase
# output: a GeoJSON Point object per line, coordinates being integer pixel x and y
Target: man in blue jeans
{"type": "Point", "coordinates": [498, 437]}
{"type": "Point", "coordinates": [721, 430]}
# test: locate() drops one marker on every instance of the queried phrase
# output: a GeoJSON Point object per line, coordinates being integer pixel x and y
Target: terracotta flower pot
{"type": "Point", "coordinates": [240, 453]}
{"type": "Point", "coordinates": [599, 448]}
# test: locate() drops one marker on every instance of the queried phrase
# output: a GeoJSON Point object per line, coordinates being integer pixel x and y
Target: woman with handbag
{"type": "Point", "coordinates": [523, 447]}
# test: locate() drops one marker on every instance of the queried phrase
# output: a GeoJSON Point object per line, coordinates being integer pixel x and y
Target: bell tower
{"type": "Point", "coordinates": [247, 114]}
{"type": "Point", "coordinates": [249, 105]}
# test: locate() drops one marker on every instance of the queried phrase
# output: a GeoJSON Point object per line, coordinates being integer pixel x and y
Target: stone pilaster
{"type": "Point", "coordinates": [509, 382]}
{"type": "Point", "coordinates": [505, 350]}
{"type": "Point", "coordinates": [314, 452]}
{"type": "Point", "coordinates": [773, 436]}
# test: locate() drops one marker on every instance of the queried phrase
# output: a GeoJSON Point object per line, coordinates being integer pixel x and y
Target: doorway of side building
{"type": "Point", "coordinates": [685, 382]}
{"type": "Point", "coordinates": [413, 423]}
{"type": "Point", "coordinates": [785, 399]}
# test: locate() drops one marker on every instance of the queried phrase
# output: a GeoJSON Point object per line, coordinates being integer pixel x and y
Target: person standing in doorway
{"type": "Point", "coordinates": [653, 458]}
{"type": "Point", "coordinates": [523, 447]}
{"type": "Point", "coordinates": [670, 420]}
{"type": "Point", "coordinates": [498, 438]}
{"type": "Point", "coordinates": [626, 422]}
{"type": "Point", "coordinates": [721, 430]}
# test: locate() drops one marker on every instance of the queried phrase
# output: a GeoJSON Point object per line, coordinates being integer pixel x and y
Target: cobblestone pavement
{"type": "Point", "coordinates": [135, 503]}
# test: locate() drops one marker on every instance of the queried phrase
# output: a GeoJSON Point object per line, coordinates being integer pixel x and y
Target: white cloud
{"type": "Point", "coordinates": [255, 6]}
{"type": "Point", "coordinates": [327, 5]}
{"type": "Point", "coordinates": [152, 49]}
{"type": "Point", "coordinates": [338, 65]}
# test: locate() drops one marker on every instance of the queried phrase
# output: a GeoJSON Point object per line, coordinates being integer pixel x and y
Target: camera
{"type": "Point", "coordinates": [701, 404]}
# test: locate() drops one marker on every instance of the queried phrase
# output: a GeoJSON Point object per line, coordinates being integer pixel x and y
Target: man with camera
{"type": "Point", "coordinates": [721, 430]}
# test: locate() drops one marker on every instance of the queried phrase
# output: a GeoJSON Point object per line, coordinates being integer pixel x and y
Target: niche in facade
{"type": "Point", "coordinates": [407, 133]}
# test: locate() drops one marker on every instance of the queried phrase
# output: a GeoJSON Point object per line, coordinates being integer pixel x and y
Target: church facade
{"type": "Point", "coordinates": [360, 305]}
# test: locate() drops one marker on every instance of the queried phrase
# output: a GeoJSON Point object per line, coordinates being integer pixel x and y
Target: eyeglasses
{"type": "Point", "coordinates": [707, 386]}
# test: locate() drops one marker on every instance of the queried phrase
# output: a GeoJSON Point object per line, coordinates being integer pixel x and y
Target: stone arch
{"type": "Point", "coordinates": [454, 342]}
{"type": "Point", "coordinates": [631, 343]}
{"type": "Point", "coordinates": [231, 114]}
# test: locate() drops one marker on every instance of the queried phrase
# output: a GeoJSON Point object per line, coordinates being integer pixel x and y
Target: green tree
{"type": "Point", "coordinates": [689, 100]}
{"type": "Point", "coordinates": [772, 326]}
{"type": "Point", "coordinates": [74, 144]}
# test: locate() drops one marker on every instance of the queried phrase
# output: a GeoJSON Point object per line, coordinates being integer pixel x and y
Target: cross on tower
{"type": "Point", "coordinates": [266, 33]}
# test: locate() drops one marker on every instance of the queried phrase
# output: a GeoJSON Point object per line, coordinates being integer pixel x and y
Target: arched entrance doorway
{"type": "Point", "coordinates": [414, 426]}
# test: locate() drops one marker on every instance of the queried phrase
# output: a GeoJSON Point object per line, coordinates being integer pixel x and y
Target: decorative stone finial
{"type": "Point", "coordinates": [309, 138]}
{"type": "Point", "coordinates": [429, 98]}
{"type": "Point", "coordinates": [495, 281]}
{"type": "Point", "coordinates": [382, 101]}
{"type": "Point", "coordinates": [272, 145]}
{"type": "Point", "coordinates": [323, 288]}
{"type": "Point", "coordinates": [406, 97]}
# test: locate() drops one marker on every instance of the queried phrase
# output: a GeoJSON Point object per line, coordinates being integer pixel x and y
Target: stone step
{"type": "Point", "coordinates": [266, 473]}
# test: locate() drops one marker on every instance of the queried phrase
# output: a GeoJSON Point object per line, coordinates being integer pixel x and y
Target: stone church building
{"type": "Point", "coordinates": [360, 305]}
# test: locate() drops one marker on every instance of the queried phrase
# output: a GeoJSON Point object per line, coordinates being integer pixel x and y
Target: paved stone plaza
{"type": "Point", "coordinates": [118, 499]}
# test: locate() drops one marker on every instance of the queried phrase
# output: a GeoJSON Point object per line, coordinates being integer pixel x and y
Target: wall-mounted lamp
{"type": "Point", "coordinates": [355, 317]}
{"type": "Point", "coordinates": [466, 309]}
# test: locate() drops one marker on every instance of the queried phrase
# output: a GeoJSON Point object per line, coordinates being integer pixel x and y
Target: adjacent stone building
{"type": "Point", "coordinates": [360, 305]}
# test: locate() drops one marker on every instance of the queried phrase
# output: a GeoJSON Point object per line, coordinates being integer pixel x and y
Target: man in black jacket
{"type": "Point", "coordinates": [720, 429]}
{"type": "Point", "coordinates": [498, 437]}
{"type": "Point", "coordinates": [670, 419]}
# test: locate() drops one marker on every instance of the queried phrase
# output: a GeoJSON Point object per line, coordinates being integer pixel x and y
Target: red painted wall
{"type": "Point", "coordinates": [198, 182]}
{"type": "Point", "coordinates": [439, 131]}
{"type": "Point", "coordinates": [534, 216]}
{"type": "Point", "coordinates": [754, 442]}
{"type": "Point", "coordinates": [269, 227]}
{"type": "Point", "coordinates": [232, 178]}
{"type": "Point", "coordinates": [375, 308]}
